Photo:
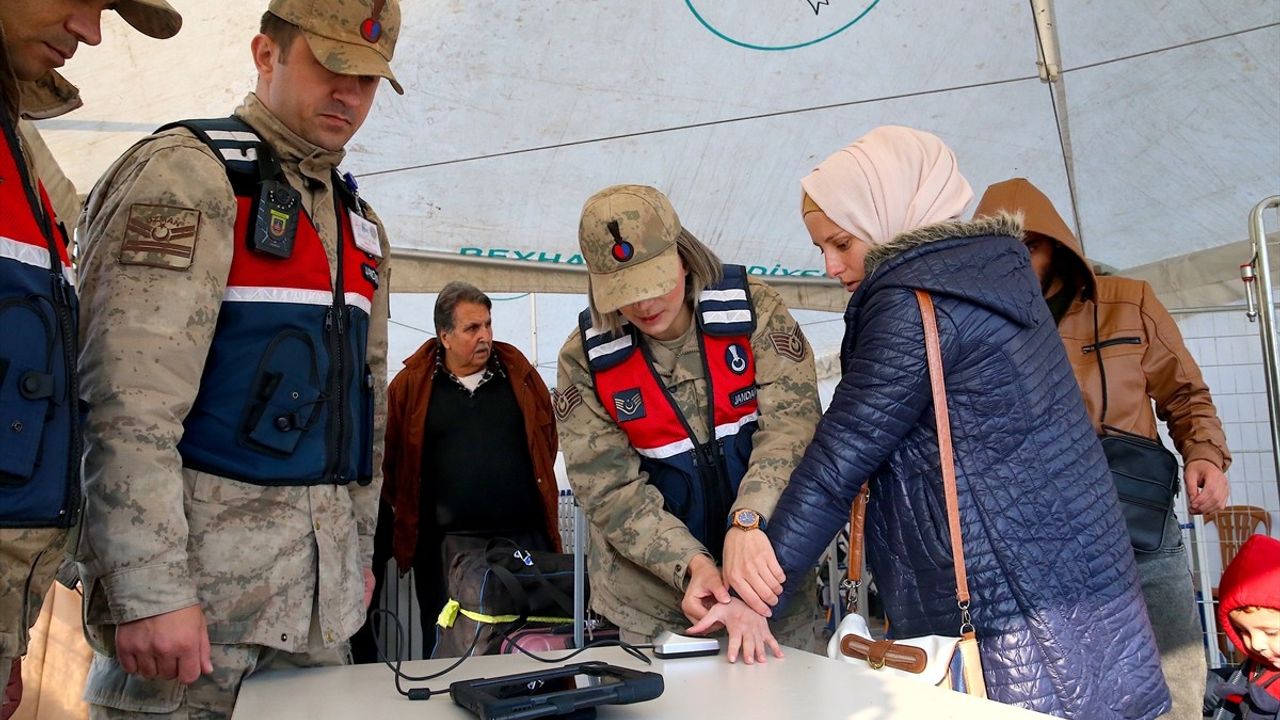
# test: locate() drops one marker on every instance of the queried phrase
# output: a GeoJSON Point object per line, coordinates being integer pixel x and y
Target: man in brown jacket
{"type": "Point", "coordinates": [1142, 359]}
{"type": "Point", "coordinates": [470, 450]}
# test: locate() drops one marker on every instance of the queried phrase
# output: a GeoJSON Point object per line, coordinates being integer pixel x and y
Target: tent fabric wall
{"type": "Point", "coordinates": [516, 112]}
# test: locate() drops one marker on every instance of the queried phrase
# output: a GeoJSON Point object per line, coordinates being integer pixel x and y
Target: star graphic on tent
{"type": "Point", "coordinates": [817, 4]}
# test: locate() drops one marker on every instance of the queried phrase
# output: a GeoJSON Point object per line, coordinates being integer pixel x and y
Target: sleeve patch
{"type": "Point", "coordinates": [160, 236]}
{"type": "Point", "coordinates": [789, 344]}
{"type": "Point", "coordinates": [565, 402]}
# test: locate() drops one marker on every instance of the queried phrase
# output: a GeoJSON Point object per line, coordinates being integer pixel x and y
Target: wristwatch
{"type": "Point", "coordinates": [746, 519]}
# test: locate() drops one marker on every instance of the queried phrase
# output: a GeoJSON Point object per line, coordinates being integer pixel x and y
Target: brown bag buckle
{"type": "Point", "coordinates": [884, 653]}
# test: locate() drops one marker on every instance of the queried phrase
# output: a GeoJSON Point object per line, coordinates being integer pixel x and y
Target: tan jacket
{"type": "Point", "coordinates": [639, 551]}
{"type": "Point", "coordinates": [1135, 341]}
{"type": "Point", "coordinates": [157, 536]}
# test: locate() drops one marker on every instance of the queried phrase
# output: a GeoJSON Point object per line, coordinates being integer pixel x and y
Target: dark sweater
{"type": "Point", "coordinates": [475, 449]}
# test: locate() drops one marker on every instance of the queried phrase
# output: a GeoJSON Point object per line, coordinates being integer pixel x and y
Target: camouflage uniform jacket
{"type": "Point", "coordinates": [159, 537]}
{"type": "Point", "coordinates": [29, 557]}
{"type": "Point", "coordinates": [639, 551]}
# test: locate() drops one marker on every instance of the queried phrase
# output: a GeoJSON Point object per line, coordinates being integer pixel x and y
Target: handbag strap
{"type": "Point", "coordinates": [933, 351]}
{"type": "Point", "coordinates": [857, 512]}
{"type": "Point", "coordinates": [857, 525]}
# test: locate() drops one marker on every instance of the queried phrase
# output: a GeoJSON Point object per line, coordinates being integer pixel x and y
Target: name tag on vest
{"type": "Point", "coordinates": [366, 234]}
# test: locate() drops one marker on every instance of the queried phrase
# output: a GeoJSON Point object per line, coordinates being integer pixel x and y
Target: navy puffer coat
{"type": "Point", "coordinates": [1059, 616]}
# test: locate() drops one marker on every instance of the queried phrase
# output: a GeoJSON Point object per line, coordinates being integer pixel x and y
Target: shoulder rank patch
{"type": "Point", "coordinates": [160, 236]}
{"type": "Point", "coordinates": [789, 344]}
{"type": "Point", "coordinates": [565, 402]}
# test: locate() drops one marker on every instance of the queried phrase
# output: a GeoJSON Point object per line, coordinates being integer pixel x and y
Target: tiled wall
{"type": "Point", "coordinates": [1228, 349]}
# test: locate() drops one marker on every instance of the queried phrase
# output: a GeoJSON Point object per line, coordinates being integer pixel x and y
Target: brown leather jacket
{"type": "Point", "coordinates": [1135, 340]}
{"type": "Point", "coordinates": [408, 397]}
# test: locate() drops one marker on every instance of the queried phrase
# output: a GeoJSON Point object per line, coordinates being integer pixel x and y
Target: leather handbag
{"type": "Point", "coordinates": [1146, 479]}
{"type": "Point", "coordinates": [943, 660]}
{"type": "Point", "coordinates": [1145, 473]}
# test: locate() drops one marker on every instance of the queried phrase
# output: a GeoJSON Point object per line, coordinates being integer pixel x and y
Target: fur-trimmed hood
{"type": "Point", "coordinates": [982, 261]}
{"type": "Point", "coordinates": [1001, 224]}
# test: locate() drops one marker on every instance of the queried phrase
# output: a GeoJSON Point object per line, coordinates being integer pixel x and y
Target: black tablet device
{"type": "Point", "coordinates": [558, 691]}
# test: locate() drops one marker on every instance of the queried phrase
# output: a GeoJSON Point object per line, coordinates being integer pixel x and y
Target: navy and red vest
{"type": "Point", "coordinates": [698, 482]}
{"type": "Point", "coordinates": [39, 395]}
{"type": "Point", "coordinates": [286, 397]}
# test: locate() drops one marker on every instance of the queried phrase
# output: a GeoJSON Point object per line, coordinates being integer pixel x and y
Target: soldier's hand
{"type": "Point", "coordinates": [1206, 487]}
{"type": "Point", "coordinates": [752, 570]}
{"type": "Point", "coordinates": [748, 631]}
{"type": "Point", "coordinates": [705, 588]}
{"type": "Point", "coordinates": [167, 646]}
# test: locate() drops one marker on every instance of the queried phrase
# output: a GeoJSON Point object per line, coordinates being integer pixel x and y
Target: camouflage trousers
{"type": "Point", "coordinates": [29, 559]}
{"type": "Point", "coordinates": [114, 694]}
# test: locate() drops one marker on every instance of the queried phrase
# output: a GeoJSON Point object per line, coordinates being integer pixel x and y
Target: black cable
{"type": "Point", "coordinates": [1177, 46]}
{"type": "Point", "coordinates": [696, 126]}
{"type": "Point", "coordinates": [382, 656]}
{"type": "Point", "coordinates": [426, 693]}
{"type": "Point", "coordinates": [628, 648]}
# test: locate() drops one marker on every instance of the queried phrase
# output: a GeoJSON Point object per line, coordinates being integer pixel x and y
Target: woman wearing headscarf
{"type": "Point", "coordinates": [1055, 601]}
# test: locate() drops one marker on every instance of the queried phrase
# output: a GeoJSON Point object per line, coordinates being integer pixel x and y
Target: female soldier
{"type": "Point", "coordinates": [685, 399]}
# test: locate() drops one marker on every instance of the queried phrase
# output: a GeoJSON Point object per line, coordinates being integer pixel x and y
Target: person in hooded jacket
{"type": "Point", "coordinates": [1126, 352]}
{"type": "Point", "coordinates": [1249, 613]}
{"type": "Point", "coordinates": [1055, 600]}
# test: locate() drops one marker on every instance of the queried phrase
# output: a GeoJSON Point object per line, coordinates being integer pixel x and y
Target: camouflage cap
{"type": "Point", "coordinates": [350, 37]}
{"type": "Point", "coordinates": [155, 18]}
{"type": "Point", "coordinates": [628, 238]}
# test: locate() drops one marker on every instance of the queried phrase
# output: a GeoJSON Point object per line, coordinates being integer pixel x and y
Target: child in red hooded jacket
{"type": "Point", "coordinates": [1249, 612]}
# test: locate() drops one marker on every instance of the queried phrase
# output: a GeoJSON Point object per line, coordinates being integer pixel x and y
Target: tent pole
{"type": "Point", "coordinates": [1258, 235]}
{"type": "Point", "coordinates": [533, 329]}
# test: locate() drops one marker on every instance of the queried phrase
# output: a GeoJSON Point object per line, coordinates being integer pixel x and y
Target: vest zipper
{"type": "Point", "coordinates": [66, 295]}
{"type": "Point", "coordinates": [63, 299]}
{"type": "Point", "coordinates": [335, 329]}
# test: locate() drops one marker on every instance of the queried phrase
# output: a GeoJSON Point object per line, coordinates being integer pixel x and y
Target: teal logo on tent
{"type": "Point", "coordinates": [775, 25]}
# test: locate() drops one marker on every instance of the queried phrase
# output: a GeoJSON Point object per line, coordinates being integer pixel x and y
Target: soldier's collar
{"type": "Point", "coordinates": [291, 148]}
{"type": "Point", "coordinates": [48, 97]}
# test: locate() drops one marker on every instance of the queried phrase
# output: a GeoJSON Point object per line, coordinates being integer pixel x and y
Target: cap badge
{"type": "Point", "coordinates": [371, 28]}
{"type": "Point", "coordinates": [622, 250]}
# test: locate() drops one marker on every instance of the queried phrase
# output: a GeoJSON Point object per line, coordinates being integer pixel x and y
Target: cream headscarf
{"type": "Point", "coordinates": [892, 180]}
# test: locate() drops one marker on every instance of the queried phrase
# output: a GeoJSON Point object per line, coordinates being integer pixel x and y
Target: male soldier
{"type": "Point", "coordinates": [235, 356]}
{"type": "Point", "coordinates": [40, 435]}
{"type": "Point", "coordinates": [471, 448]}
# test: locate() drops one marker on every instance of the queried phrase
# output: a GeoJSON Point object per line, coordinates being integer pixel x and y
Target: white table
{"type": "Point", "coordinates": [801, 685]}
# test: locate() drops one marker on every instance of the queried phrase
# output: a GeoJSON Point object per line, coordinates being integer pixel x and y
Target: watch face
{"type": "Point", "coordinates": [746, 517]}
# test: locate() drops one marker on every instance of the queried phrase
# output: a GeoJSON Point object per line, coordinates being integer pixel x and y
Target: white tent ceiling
{"type": "Point", "coordinates": [515, 112]}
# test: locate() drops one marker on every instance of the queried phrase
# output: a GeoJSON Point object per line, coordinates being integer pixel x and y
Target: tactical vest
{"type": "Point", "coordinates": [39, 395]}
{"type": "Point", "coordinates": [698, 482]}
{"type": "Point", "coordinates": [286, 397]}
